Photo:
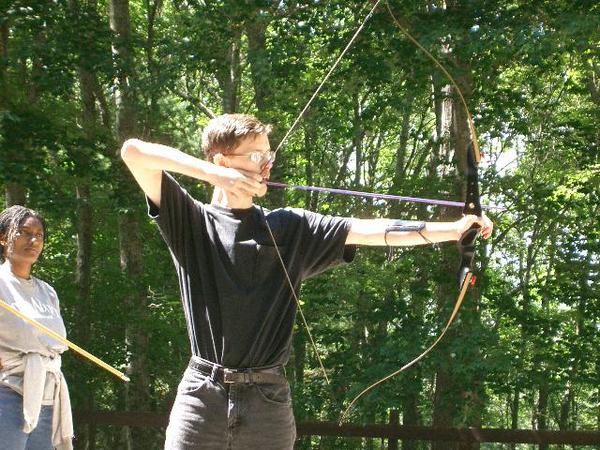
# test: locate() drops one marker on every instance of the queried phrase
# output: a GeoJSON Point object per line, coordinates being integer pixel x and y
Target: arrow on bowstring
{"type": "Point", "coordinates": [54, 335]}
{"type": "Point", "coordinates": [400, 198]}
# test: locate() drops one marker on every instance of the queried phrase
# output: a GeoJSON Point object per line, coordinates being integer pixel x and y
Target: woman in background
{"type": "Point", "coordinates": [35, 410]}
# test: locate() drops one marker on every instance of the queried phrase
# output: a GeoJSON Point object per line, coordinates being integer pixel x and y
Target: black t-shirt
{"type": "Point", "coordinates": [238, 306]}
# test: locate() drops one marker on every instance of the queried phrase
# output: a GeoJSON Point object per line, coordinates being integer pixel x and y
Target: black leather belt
{"type": "Point", "coordinates": [270, 375]}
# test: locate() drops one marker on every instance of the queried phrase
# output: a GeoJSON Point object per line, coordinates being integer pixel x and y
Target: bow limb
{"type": "Point", "coordinates": [472, 130]}
{"type": "Point", "coordinates": [466, 242]}
{"type": "Point", "coordinates": [54, 335]}
{"type": "Point", "coordinates": [457, 305]}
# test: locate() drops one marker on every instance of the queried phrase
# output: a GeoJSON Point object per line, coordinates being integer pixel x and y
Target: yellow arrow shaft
{"type": "Point", "coordinates": [54, 335]}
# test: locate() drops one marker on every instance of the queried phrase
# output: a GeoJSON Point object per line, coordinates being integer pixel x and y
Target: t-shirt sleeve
{"type": "Point", "coordinates": [323, 242]}
{"type": "Point", "coordinates": [175, 215]}
{"type": "Point", "coordinates": [53, 296]}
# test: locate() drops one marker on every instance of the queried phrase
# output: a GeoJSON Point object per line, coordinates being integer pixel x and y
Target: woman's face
{"type": "Point", "coordinates": [28, 243]}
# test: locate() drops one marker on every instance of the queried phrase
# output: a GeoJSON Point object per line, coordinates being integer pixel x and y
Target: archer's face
{"type": "Point", "coordinates": [253, 155]}
{"type": "Point", "coordinates": [28, 244]}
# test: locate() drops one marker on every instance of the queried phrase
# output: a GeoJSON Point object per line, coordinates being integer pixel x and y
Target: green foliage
{"type": "Point", "coordinates": [524, 350]}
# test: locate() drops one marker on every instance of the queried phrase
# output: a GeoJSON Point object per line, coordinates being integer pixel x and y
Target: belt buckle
{"type": "Point", "coordinates": [236, 376]}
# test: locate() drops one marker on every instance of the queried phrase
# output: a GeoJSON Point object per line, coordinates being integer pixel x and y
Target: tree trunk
{"type": "Point", "coordinates": [84, 214]}
{"type": "Point", "coordinates": [83, 281]}
{"type": "Point", "coordinates": [472, 388]}
{"type": "Point", "coordinates": [14, 192]}
{"type": "Point", "coordinates": [4, 34]}
{"type": "Point", "coordinates": [310, 138]}
{"type": "Point", "coordinates": [402, 150]}
{"type": "Point", "coordinates": [230, 76]}
{"type": "Point", "coordinates": [299, 346]}
{"type": "Point", "coordinates": [410, 406]}
{"type": "Point", "coordinates": [446, 404]}
{"type": "Point", "coordinates": [137, 395]}
{"type": "Point", "coordinates": [514, 412]}
{"type": "Point", "coordinates": [544, 389]}
{"type": "Point", "coordinates": [260, 67]}
{"type": "Point", "coordinates": [152, 115]}
{"type": "Point", "coordinates": [124, 95]}
{"type": "Point", "coordinates": [357, 138]}
{"type": "Point", "coordinates": [542, 410]}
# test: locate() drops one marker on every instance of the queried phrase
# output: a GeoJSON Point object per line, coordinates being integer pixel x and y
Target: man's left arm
{"type": "Point", "coordinates": [408, 233]}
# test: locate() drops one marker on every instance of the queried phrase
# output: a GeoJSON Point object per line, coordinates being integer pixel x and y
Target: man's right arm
{"type": "Point", "coordinates": [147, 160]}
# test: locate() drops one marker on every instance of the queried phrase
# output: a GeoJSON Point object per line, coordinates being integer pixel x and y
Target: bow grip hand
{"type": "Point", "coordinates": [466, 246]}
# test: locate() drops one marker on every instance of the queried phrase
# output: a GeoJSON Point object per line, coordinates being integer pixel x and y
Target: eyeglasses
{"type": "Point", "coordinates": [260, 158]}
{"type": "Point", "coordinates": [30, 234]}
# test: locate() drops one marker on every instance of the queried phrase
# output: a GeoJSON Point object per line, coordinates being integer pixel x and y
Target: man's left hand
{"type": "Point", "coordinates": [469, 220]}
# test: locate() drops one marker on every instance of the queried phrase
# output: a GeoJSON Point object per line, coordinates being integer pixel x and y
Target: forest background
{"type": "Point", "coordinates": [78, 77]}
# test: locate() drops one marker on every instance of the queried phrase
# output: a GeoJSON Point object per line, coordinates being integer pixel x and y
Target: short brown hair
{"type": "Point", "coordinates": [224, 133]}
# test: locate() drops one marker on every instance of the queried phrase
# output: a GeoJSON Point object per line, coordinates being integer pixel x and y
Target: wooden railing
{"type": "Point", "coordinates": [393, 432]}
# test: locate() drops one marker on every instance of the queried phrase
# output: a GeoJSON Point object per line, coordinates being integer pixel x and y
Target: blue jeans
{"type": "Point", "coordinates": [12, 436]}
{"type": "Point", "coordinates": [208, 415]}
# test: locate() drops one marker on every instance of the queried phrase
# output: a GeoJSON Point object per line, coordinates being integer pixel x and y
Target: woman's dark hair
{"type": "Point", "coordinates": [11, 219]}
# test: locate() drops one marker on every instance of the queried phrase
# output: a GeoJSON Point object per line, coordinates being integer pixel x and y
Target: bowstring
{"type": "Point", "coordinates": [304, 321]}
{"type": "Point", "coordinates": [283, 140]}
{"type": "Point", "coordinates": [333, 67]}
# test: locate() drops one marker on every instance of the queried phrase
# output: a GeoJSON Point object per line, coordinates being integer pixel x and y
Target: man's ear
{"type": "Point", "coordinates": [220, 160]}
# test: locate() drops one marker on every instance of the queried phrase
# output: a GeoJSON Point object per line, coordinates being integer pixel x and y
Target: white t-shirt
{"type": "Point", "coordinates": [31, 359]}
{"type": "Point", "coordinates": [37, 300]}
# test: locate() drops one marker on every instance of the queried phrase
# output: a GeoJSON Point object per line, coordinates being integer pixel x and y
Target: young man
{"type": "Point", "coordinates": [238, 304]}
